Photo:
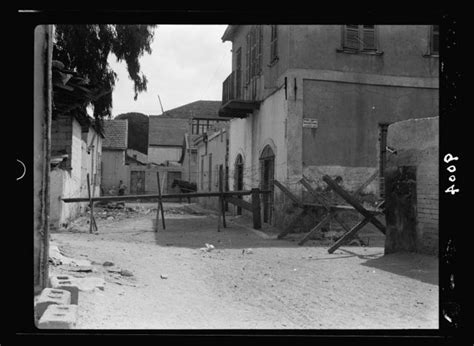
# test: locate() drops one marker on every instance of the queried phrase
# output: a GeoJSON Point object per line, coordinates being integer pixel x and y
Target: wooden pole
{"type": "Point", "coordinates": [159, 206]}
{"type": "Point", "coordinates": [92, 223]}
{"type": "Point", "coordinates": [348, 236]}
{"type": "Point", "coordinates": [354, 202]}
{"type": "Point", "coordinates": [326, 205]}
{"type": "Point", "coordinates": [257, 219]}
{"type": "Point", "coordinates": [316, 228]}
{"type": "Point", "coordinates": [221, 198]}
{"type": "Point", "coordinates": [293, 223]}
{"type": "Point", "coordinates": [154, 196]}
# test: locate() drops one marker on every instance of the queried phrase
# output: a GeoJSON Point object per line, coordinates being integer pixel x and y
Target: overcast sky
{"type": "Point", "coordinates": [188, 63]}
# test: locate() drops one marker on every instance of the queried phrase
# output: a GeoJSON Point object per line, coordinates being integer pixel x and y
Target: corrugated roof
{"type": "Point", "coordinates": [115, 134]}
{"type": "Point", "coordinates": [166, 131]}
{"type": "Point", "coordinates": [197, 109]}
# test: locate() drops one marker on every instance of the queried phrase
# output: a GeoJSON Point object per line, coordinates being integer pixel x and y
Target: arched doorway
{"type": "Point", "coordinates": [239, 178]}
{"type": "Point", "coordinates": [267, 171]}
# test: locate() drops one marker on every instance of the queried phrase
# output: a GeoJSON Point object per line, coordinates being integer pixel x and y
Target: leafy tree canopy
{"type": "Point", "coordinates": [86, 48]}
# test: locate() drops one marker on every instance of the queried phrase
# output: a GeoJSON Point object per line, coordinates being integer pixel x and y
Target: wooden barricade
{"type": "Point", "coordinates": [224, 196]}
{"type": "Point", "coordinates": [331, 210]}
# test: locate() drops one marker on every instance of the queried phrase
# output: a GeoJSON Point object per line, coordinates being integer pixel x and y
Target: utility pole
{"type": "Point", "coordinates": [162, 111]}
{"type": "Point", "coordinates": [42, 148]}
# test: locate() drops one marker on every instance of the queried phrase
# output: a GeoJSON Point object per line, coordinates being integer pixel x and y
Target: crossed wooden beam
{"type": "Point", "coordinates": [369, 216]}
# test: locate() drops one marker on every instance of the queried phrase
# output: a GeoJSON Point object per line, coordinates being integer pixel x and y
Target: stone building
{"type": "Point", "coordinates": [317, 99]}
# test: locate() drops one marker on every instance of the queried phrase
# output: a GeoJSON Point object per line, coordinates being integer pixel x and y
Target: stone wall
{"type": "Point", "coordinates": [416, 142]}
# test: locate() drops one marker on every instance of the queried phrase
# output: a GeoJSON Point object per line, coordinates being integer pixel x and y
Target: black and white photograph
{"type": "Point", "coordinates": [259, 177]}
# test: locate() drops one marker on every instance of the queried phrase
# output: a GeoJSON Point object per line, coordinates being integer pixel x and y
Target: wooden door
{"type": "Point", "coordinates": [267, 166]}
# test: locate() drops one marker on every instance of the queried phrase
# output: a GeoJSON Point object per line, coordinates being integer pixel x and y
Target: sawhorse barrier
{"type": "Point", "coordinates": [331, 210]}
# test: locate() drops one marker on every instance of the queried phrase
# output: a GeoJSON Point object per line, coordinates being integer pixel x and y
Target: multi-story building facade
{"type": "Point", "coordinates": [317, 99]}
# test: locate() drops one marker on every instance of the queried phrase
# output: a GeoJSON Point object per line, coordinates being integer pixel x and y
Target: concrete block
{"type": "Point", "coordinates": [59, 317]}
{"type": "Point", "coordinates": [51, 296]}
{"type": "Point", "coordinates": [68, 283]}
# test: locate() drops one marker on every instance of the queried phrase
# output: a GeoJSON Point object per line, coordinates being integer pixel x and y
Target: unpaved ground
{"type": "Point", "coordinates": [277, 285]}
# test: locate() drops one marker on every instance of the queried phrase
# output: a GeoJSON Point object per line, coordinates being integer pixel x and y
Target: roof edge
{"type": "Point", "coordinates": [229, 33]}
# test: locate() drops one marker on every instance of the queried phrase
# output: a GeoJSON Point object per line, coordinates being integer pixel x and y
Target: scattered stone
{"type": "Point", "coordinates": [90, 284]}
{"type": "Point", "coordinates": [110, 218]}
{"type": "Point", "coordinates": [114, 270]}
{"type": "Point", "coordinates": [208, 248]}
{"type": "Point", "coordinates": [125, 272]}
{"type": "Point", "coordinates": [107, 264]}
{"type": "Point", "coordinates": [164, 276]}
{"type": "Point", "coordinates": [80, 269]}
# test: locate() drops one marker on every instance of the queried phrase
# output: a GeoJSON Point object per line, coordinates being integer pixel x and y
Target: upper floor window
{"type": "Point", "coordinates": [253, 54]}
{"type": "Point", "coordinates": [274, 43]}
{"type": "Point", "coordinates": [434, 40]}
{"type": "Point", "coordinates": [359, 37]}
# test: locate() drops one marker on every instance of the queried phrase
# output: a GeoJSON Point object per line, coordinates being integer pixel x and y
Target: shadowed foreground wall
{"type": "Point", "coordinates": [412, 190]}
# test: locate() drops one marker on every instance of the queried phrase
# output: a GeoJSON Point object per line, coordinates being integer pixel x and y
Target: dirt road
{"type": "Point", "coordinates": [276, 284]}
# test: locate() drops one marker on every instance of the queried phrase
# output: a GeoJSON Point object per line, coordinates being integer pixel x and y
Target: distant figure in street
{"type": "Point", "coordinates": [122, 188]}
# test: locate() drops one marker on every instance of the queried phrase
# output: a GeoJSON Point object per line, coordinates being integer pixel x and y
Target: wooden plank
{"type": "Point", "coordinates": [328, 207]}
{"type": "Point", "coordinates": [239, 202]}
{"type": "Point", "coordinates": [159, 207]}
{"type": "Point", "coordinates": [321, 199]}
{"type": "Point", "coordinates": [354, 202]}
{"type": "Point", "coordinates": [367, 182]}
{"type": "Point", "coordinates": [287, 192]}
{"type": "Point", "coordinates": [155, 196]}
{"type": "Point", "coordinates": [92, 224]}
{"type": "Point", "coordinates": [348, 236]}
{"type": "Point", "coordinates": [221, 197]}
{"type": "Point", "coordinates": [310, 189]}
{"type": "Point", "coordinates": [292, 224]}
{"type": "Point", "coordinates": [160, 200]}
{"type": "Point", "coordinates": [257, 218]}
{"type": "Point", "coordinates": [316, 228]}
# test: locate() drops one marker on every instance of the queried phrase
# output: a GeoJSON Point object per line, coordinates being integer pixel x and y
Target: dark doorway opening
{"type": "Point", "coordinates": [267, 169]}
{"type": "Point", "coordinates": [137, 182]}
{"type": "Point", "coordinates": [239, 178]}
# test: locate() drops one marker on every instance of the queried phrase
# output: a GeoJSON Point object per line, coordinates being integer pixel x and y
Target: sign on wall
{"type": "Point", "coordinates": [310, 123]}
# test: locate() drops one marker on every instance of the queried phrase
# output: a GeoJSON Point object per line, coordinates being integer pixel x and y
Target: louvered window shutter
{"type": "Point", "coordinates": [253, 52]}
{"type": "Point", "coordinates": [368, 37]}
{"type": "Point", "coordinates": [273, 43]}
{"type": "Point", "coordinates": [435, 39]}
{"type": "Point", "coordinates": [247, 60]}
{"type": "Point", "coordinates": [351, 37]}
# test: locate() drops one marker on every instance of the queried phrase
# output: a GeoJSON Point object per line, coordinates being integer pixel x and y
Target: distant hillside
{"type": "Point", "coordinates": [137, 131]}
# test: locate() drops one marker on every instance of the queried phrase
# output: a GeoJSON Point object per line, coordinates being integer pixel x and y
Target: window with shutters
{"type": "Point", "coordinates": [247, 60]}
{"type": "Point", "coordinates": [359, 38]}
{"type": "Point", "coordinates": [253, 58]}
{"type": "Point", "coordinates": [238, 76]}
{"type": "Point", "coordinates": [274, 44]}
{"type": "Point", "coordinates": [434, 40]}
{"type": "Point", "coordinates": [254, 52]}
